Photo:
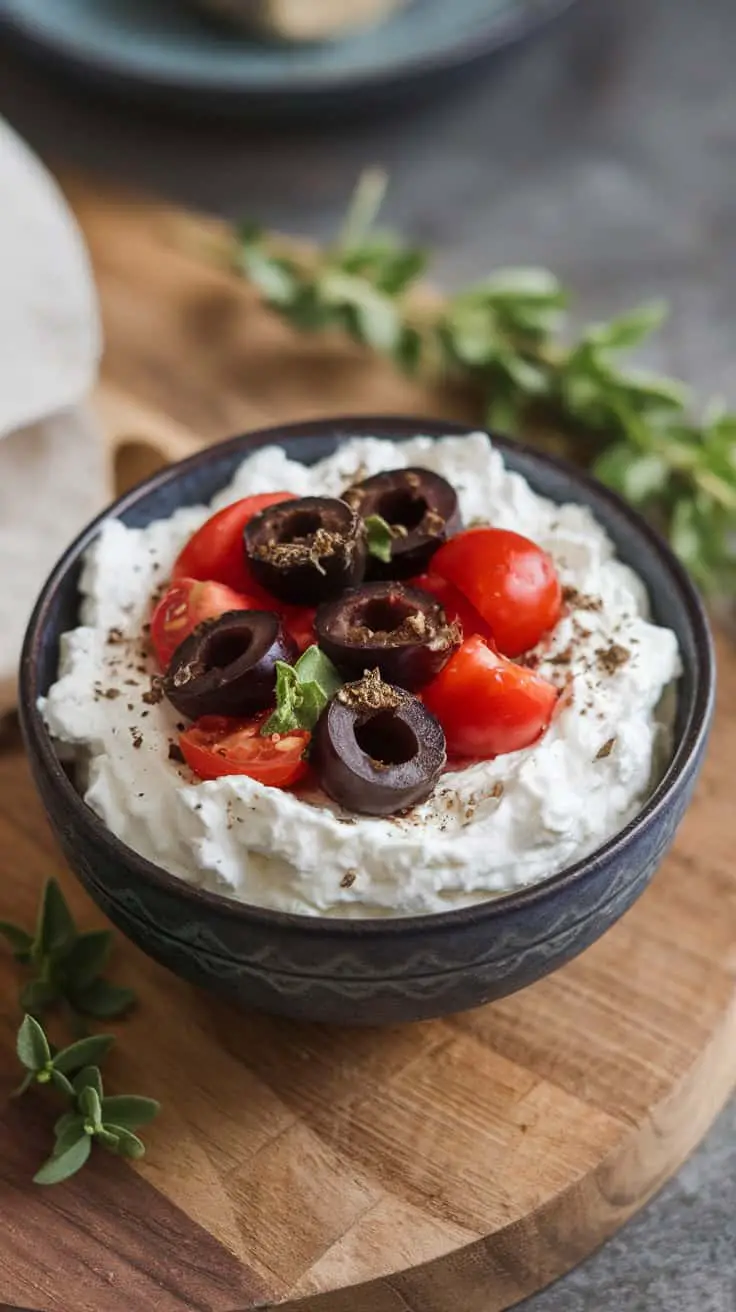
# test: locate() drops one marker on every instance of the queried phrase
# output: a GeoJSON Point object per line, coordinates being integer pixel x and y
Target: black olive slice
{"type": "Point", "coordinates": [227, 665]}
{"type": "Point", "coordinates": [422, 509]}
{"type": "Point", "coordinates": [308, 550]}
{"type": "Point", "coordinates": [403, 632]}
{"type": "Point", "coordinates": [376, 749]}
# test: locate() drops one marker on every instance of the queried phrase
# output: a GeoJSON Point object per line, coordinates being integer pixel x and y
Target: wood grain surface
{"type": "Point", "coordinates": [457, 1164]}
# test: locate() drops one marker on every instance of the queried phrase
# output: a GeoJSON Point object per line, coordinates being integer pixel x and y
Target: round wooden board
{"type": "Point", "coordinates": [454, 1165]}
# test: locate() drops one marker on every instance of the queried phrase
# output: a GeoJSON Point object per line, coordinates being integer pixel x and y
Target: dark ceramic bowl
{"type": "Point", "coordinates": [370, 971]}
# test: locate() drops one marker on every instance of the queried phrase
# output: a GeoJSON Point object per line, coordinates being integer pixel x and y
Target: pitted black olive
{"type": "Point", "coordinates": [403, 632]}
{"type": "Point", "coordinates": [419, 506]}
{"type": "Point", "coordinates": [227, 665]}
{"type": "Point", "coordinates": [308, 550]}
{"type": "Point", "coordinates": [376, 749]}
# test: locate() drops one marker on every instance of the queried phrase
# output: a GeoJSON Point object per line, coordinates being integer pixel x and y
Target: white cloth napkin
{"type": "Point", "coordinates": [54, 471]}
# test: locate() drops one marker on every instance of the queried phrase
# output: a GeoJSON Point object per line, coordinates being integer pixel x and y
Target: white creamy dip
{"type": "Point", "coordinates": [488, 828]}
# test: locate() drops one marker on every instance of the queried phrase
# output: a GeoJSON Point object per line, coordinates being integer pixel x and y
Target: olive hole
{"type": "Point", "coordinates": [300, 525]}
{"type": "Point", "coordinates": [385, 614]}
{"type": "Point", "coordinates": [386, 738]}
{"type": "Point", "coordinates": [401, 507]}
{"type": "Point", "coordinates": [226, 648]}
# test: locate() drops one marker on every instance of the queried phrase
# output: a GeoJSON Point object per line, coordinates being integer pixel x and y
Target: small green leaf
{"type": "Point", "coordinates": [637, 477]}
{"type": "Point", "coordinates": [271, 276]}
{"type": "Point", "coordinates": [37, 995]}
{"type": "Point", "coordinates": [19, 940]}
{"type": "Point", "coordinates": [60, 1168]}
{"type": "Point", "coordinates": [87, 957]}
{"type": "Point", "coordinates": [85, 1052]}
{"type": "Point", "coordinates": [32, 1045]}
{"type": "Point", "coordinates": [628, 329]}
{"type": "Point", "coordinates": [380, 537]}
{"type": "Point", "coordinates": [90, 1105]}
{"type": "Point", "coordinates": [61, 1083]}
{"type": "Point", "coordinates": [409, 349]}
{"type": "Point", "coordinates": [88, 1078]}
{"type": "Point", "coordinates": [71, 1133]}
{"type": "Point", "coordinates": [56, 930]}
{"type": "Point", "coordinates": [376, 315]}
{"type": "Point", "coordinates": [102, 1000]}
{"type": "Point", "coordinates": [302, 692]}
{"type": "Point", "coordinates": [127, 1144]}
{"type": "Point", "coordinates": [129, 1110]}
{"type": "Point", "coordinates": [69, 1118]}
{"type": "Point", "coordinates": [108, 1137]}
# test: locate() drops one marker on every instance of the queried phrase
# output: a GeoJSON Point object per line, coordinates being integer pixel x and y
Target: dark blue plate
{"type": "Point", "coordinates": [164, 50]}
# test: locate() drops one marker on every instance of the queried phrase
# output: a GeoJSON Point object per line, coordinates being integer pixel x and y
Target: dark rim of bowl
{"type": "Point", "coordinates": [692, 738]}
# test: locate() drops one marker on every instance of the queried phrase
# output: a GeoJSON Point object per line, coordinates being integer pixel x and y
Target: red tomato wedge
{"type": "Point", "coordinates": [215, 746]}
{"type": "Point", "coordinates": [216, 550]}
{"type": "Point", "coordinates": [455, 605]}
{"type": "Point", "coordinates": [511, 582]}
{"type": "Point", "coordinates": [486, 704]}
{"type": "Point", "coordinates": [184, 605]}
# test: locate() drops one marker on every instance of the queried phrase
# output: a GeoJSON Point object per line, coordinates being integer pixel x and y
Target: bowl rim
{"type": "Point", "coordinates": [696, 726]}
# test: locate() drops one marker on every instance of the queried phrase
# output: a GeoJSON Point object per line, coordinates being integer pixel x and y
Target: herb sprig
{"type": "Point", "coordinates": [66, 966]}
{"type": "Point", "coordinates": [302, 692]}
{"type": "Point", "coordinates": [505, 336]}
{"type": "Point", "coordinates": [91, 1116]}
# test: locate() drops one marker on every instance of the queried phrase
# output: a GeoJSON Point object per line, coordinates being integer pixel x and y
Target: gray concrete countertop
{"type": "Point", "coordinates": [605, 149]}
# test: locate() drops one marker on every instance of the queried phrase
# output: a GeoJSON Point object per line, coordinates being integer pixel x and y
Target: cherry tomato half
{"type": "Point", "coordinates": [455, 605]}
{"type": "Point", "coordinates": [215, 746]}
{"type": "Point", "coordinates": [509, 580]}
{"type": "Point", "coordinates": [216, 550]}
{"type": "Point", "coordinates": [184, 605]}
{"type": "Point", "coordinates": [486, 704]}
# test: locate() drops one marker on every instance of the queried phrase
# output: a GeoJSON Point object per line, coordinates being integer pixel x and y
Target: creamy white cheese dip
{"type": "Point", "coordinates": [491, 827]}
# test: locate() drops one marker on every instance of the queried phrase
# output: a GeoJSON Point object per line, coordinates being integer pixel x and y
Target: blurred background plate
{"type": "Point", "coordinates": [162, 50]}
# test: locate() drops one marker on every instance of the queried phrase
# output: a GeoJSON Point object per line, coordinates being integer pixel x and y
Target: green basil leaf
{"type": "Point", "coordinates": [380, 537]}
{"type": "Point", "coordinates": [61, 1083]}
{"type": "Point", "coordinates": [127, 1144]}
{"type": "Point", "coordinates": [314, 667]}
{"type": "Point", "coordinates": [87, 957]}
{"type": "Point", "coordinates": [19, 940]}
{"type": "Point", "coordinates": [56, 930]}
{"type": "Point", "coordinates": [85, 1052]}
{"type": "Point", "coordinates": [102, 1000]}
{"type": "Point", "coordinates": [32, 1045]}
{"type": "Point", "coordinates": [302, 692]}
{"type": "Point", "coordinates": [129, 1110]}
{"type": "Point", "coordinates": [60, 1168]}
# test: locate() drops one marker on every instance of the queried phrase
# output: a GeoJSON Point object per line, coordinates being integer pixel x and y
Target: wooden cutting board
{"type": "Point", "coordinates": [452, 1166]}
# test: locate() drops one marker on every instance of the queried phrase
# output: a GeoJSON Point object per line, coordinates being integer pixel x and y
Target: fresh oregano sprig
{"type": "Point", "coordinates": [66, 965]}
{"type": "Point", "coordinates": [92, 1117]}
{"type": "Point", "coordinates": [506, 337]}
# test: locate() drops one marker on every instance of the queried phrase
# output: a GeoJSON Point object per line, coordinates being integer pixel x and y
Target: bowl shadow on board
{"type": "Point", "coordinates": [370, 971]}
